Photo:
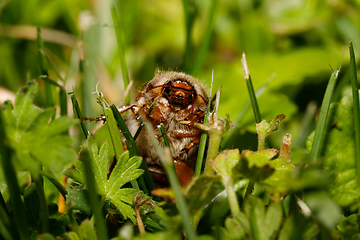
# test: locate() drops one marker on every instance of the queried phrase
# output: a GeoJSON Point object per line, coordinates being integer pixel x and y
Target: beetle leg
{"type": "Point", "coordinates": [183, 133]}
{"type": "Point", "coordinates": [194, 118]}
{"type": "Point", "coordinates": [192, 144]}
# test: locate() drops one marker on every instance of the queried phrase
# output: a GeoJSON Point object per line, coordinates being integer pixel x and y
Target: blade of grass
{"type": "Point", "coordinates": [206, 38]}
{"type": "Point", "coordinates": [355, 92]}
{"type": "Point", "coordinates": [62, 91]}
{"type": "Point", "coordinates": [321, 123]}
{"type": "Point", "coordinates": [204, 135]}
{"type": "Point", "coordinates": [188, 6]}
{"type": "Point", "coordinates": [162, 132]}
{"type": "Point", "coordinates": [244, 110]}
{"type": "Point", "coordinates": [86, 71]}
{"type": "Point", "coordinates": [12, 184]}
{"type": "Point", "coordinates": [168, 164]}
{"type": "Point", "coordinates": [44, 68]}
{"type": "Point", "coordinates": [93, 196]}
{"type": "Point", "coordinates": [77, 114]}
{"type": "Point", "coordinates": [250, 88]}
{"type": "Point", "coordinates": [7, 228]}
{"type": "Point", "coordinates": [56, 183]}
{"type": "Point", "coordinates": [134, 151]}
{"type": "Point", "coordinates": [63, 102]}
{"type": "Point", "coordinates": [255, 108]}
{"type": "Point", "coordinates": [120, 42]}
{"type": "Point", "coordinates": [44, 212]}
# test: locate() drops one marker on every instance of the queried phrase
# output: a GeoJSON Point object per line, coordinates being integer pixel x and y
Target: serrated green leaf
{"type": "Point", "coordinates": [124, 171]}
{"type": "Point", "coordinates": [255, 165]}
{"type": "Point", "coordinates": [99, 163]}
{"type": "Point", "coordinates": [86, 231]}
{"type": "Point", "coordinates": [131, 172]}
{"type": "Point", "coordinates": [348, 227]}
{"type": "Point", "coordinates": [279, 180]}
{"type": "Point", "coordinates": [33, 138]}
{"type": "Point", "coordinates": [224, 163]}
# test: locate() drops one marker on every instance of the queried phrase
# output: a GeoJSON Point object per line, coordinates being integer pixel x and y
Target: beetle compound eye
{"type": "Point", "coordinates": [167, 91]}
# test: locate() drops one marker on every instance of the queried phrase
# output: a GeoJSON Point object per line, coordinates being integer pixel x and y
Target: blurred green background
{"type": "Point", "coordinates": [290, 45]}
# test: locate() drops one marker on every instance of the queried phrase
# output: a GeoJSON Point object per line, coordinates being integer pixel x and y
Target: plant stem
{"type": "Point", "coordinates": [215, 134]}
{"type": "Point", "coordinates": [355, 93]}
{"type": "Point", "coordinates": [249, 188]}
{"type": "Point", "coordinates": [216, 130]}
{"type": "Point", "coordinates": [234, 205]}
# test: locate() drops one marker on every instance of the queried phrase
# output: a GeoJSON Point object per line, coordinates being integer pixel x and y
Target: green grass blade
{"type": "Point", "coordinates": [7, 228]}
{"type": "Point", "coordinates": [321, 124]}
{"type": "Point", "coordinates": [44, 68]}
{"type": "Point", "coordinates": [42, 59]}
{"type": "Point", "coordinates": [56, 183]}
{"type": "Point", "coordinates": [251, 91]}
{"type": "Point", "coordinates": [93, 196]}
{"type": "Point", "coordinates": [188, 6]}
{"type": "Point", "coordinates": [162, 132]}
{"type": "Point", "coordinates": [243, 111]}
{"type": "Point", "coordinates": [255, 107]}
{"type": "Point", "coordinates": [167, 162]}
{"type": "Point", "coordinates": [114, 132]}
{"type": "Point", "coordinates": [206, 38]}
{"type": "Point", "coordinates": [12, 184]}
{"type": "Point", "coordinates": [202, 144]}
{"type": "Point", "coordinates": [204, 135]}
{"type": "Point", "coordinates": [134, 151]}
{"type": "Point", "coordinates": [77, 114]}
{"type": "Point", "coordinates": [121, 50]}
{"type": "Point", "coordinates": [44, 212]}
{"type": "Point", "coordinates": [250, 87]}
{"type": "Point", "coordinates": [355, 92]}
{"type": "Point", "coordinates": [63, 102]}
